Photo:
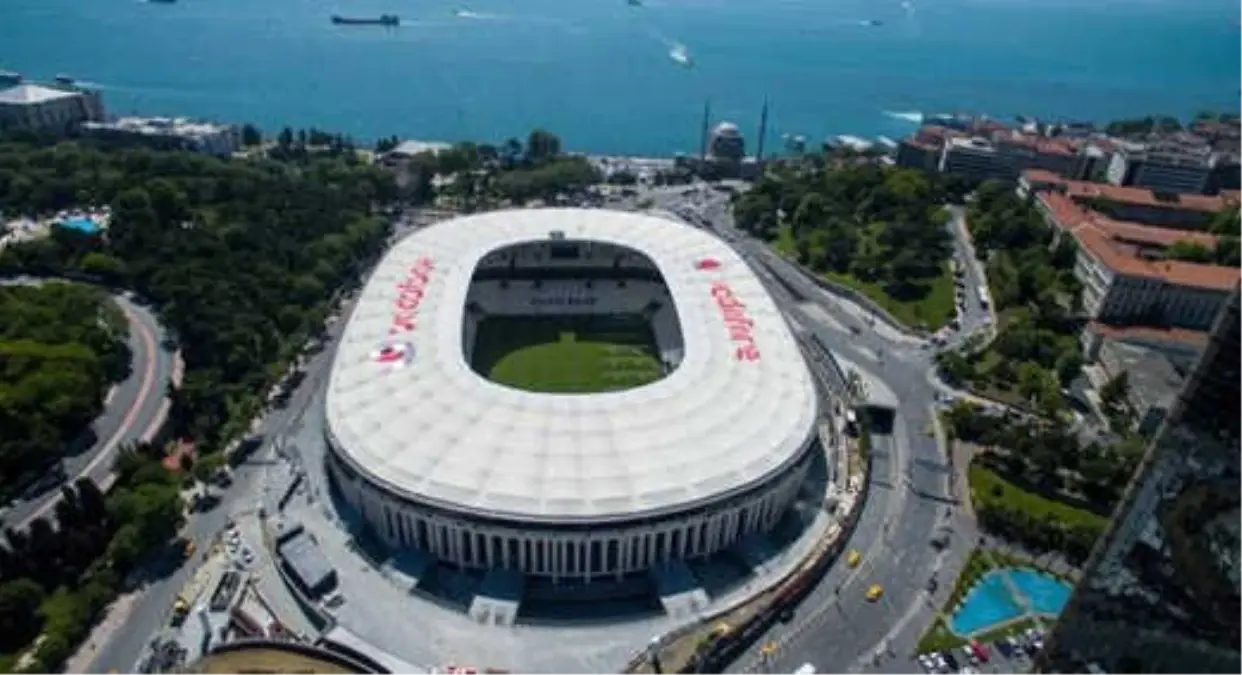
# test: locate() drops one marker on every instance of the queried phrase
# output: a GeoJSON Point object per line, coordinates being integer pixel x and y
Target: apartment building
{"type": "Point", "coordinates": [989, 150]}
{"type": "Point", "coordinates": [1181, 346]}
{"type": "Point", "coordinates": [975, 158]}
{"type": "Point", "coordinates": [1126, 281]}
{"type": "Point", "coordinates": [1134, 204]}
{"type": "Point", "coordinates": [1018, 152]}
{"type": "Point", "coordinates": [1178, 164]}
{"type": "Point", "coordinates": [164, 132]}
{"type": "Point", "coordinates": [34, 107]}
{"type": "Point", "coordinates": [1226, 174]}
{"type": "Point", "coordinates": [921, 150]}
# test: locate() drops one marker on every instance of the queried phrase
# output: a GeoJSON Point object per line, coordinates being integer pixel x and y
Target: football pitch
{"type": "Point", "coordinates": [567, 355]}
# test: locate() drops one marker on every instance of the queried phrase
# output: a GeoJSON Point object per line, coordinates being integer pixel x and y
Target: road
{"type": "Point", "coordinates": [134, 411]}
{"type": "Point", "coordinates": [975, 314]}
{"type": "Point", "coordinates": [836, 630]}
{"type": "Point", "coordinates": [909, 501]}
{"type": "Point", "coordinates": [150, 613]}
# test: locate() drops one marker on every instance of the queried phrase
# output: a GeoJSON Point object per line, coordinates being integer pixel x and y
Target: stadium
{"type": "Point", "coordinates": [569, 394]}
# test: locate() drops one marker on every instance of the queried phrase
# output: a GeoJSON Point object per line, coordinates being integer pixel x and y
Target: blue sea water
{"type": "Point", "coordinates": [991, 601]}
{"type": "Point", "coordinates": [598, 72]}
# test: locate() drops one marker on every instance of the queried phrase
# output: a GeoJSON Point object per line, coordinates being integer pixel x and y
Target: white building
{"type": "Point", "coordinates": [568, 486]}
{"type": "Point", "coordinates": [173, 132]}
{"type": "Point", "coordinates": [727, 142]}
{"type": "Point", "coordinates": [35, 107]}
{"type": "Point", "coordinates": [1174, 166]}
{"type": "Point", "coordinates": [1125, 281]}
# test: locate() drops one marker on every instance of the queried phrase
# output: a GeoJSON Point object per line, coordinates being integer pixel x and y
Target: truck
{"type": "Point", "coordinates": [983, 296]}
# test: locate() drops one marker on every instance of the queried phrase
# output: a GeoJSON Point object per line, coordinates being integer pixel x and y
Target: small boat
{"type": "Point", "coordinates": [381, 20]}
{"type": "Point", "coordinates": [162, 2]}
{"type": "Point", "coordinates": [874, 23]}
{"type": "Point", "coordinates": [682, 56]}
{"type": "Point", "coordinates": [634, 3]}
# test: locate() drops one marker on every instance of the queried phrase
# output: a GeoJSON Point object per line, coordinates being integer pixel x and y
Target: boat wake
{"type": "Point", "coordinates": [680, 54]}
{"type": "Point", "coordinates": [914, 116]}
{"type": "Point", "coordinates": [476, 16]}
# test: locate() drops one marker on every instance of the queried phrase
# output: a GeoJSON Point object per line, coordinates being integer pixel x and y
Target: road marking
{"type": "Point", "coordinates": [144, 390]}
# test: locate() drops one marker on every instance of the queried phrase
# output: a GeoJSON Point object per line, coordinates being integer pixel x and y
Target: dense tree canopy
{"type": "Point", "coordinates": [1036, 353]}
{"type": "Point", "coordinates": [875, 224]}
{"type": "Point", "coordinates": [240, 257]}
{"type": "Point", "coordinates": [61, 347]}
{"type": "Point", "coordinates": [58, 574]}
{"type": "Point", "coordinates": [484, 175]}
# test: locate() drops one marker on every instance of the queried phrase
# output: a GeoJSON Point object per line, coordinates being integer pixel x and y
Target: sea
{"type": "Point", "coordinates": [619, 78]}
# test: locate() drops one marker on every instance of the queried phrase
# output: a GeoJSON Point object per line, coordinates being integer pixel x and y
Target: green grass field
{"type": "Point", "coordinates": [567, 355]}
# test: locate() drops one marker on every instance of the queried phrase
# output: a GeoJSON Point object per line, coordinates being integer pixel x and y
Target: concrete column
{"type": "Point", "coordinates": [623, 555]}
{"type": "Point", "coordinates": [504, 553]}
{"type": "Point", "coordinates": [587, 563]}
{"type": "Point", "coordinates": [560, 556]}
{"type": "Point", "coordinates": [455, 551]}
{"type": "Point", "coordinates": [436, 544]}
{"type": "Point", "coordinates": [583, 550]}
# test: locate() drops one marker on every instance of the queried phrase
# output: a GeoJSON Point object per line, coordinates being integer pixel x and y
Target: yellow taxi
{"type": "Point", "coordinates": [875, 593]}
{"type": "Point", "coordinates": [854, 558]}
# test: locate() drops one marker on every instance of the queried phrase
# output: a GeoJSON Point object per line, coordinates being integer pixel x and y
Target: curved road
{"type": "Point", "coordinates": [910, 501]}
{"type": "Point", "coordinates": [134, 410]}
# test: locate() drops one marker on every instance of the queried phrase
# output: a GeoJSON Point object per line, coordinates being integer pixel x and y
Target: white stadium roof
{"type": "Point", "coordinates": [436, 432]}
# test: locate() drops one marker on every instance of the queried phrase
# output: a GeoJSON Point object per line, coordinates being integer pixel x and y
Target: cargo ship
{"type": "Point", "coordinates": [381, 20]}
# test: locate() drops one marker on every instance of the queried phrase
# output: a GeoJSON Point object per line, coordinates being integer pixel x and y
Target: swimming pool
{"type": "Point", "coordinates": [991, 602]}
{"type": "Point", "coordinates": [81, 224]}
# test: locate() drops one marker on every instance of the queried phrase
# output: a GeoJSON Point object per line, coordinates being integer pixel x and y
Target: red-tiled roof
{"type": "Point", "coordinates": [1042, 144]}
{"type": "Point", "coordinates": [1115, 245]}
{"type": "Point", "coordinates": [1185, 336]}
{"type": "Point", "coordinates": [1078, 189]}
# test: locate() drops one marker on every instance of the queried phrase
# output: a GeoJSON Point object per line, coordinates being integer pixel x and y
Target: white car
{"type": "Point", "coordinates": [927, 663]}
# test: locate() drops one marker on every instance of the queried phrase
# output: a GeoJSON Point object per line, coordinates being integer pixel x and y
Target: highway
{"type": "Point", "coordinates": [135, 410]}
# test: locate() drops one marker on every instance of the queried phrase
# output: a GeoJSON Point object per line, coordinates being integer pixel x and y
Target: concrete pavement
{"type": "Point", "coordinates": [909, 500]}
{"type": "Point", "coordinates": [135, 409]}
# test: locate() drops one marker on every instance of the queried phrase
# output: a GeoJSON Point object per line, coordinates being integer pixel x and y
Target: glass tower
{"type": "Point", "coordinates": [1160, 591]}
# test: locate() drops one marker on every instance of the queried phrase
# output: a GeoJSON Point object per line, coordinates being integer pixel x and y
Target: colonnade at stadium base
{"type": "Point", "coordinates": [679, 587]}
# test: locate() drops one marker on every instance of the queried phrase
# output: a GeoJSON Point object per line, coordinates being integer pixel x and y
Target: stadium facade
{"type": "Point", "coordinates": [437, 457]}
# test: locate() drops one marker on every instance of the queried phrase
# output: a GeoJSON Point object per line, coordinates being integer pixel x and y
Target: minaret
{"type": "Point", "coordinates": [707, 115]}
{"type": "Point", "coordinates": [763, 131]}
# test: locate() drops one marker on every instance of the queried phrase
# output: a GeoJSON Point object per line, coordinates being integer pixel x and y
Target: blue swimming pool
{"type": "Point", "coordinates": [81, 224]}
{"type": "Point", "coordinates": [991, 601]}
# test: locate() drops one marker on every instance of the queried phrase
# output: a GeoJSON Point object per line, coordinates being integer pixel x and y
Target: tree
{"type": "Point", "coordinates": [542, 145]}
{"type": "Point", "coordinates": [1115, 392]}
{"type": "Point", "coordinates": [90, 497]}
{"type": "Point", "coordinates": [1190, 251]}
{"type": "Point", "coordinates": [19, 602]}
{"type": "Point", "coordinates": [251, 136]}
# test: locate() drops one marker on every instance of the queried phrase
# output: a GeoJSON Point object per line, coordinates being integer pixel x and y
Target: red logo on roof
{"type": "Point", "coordinates": [707, 264]}
{"type": "Point", "coordinates": [394, 354]}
